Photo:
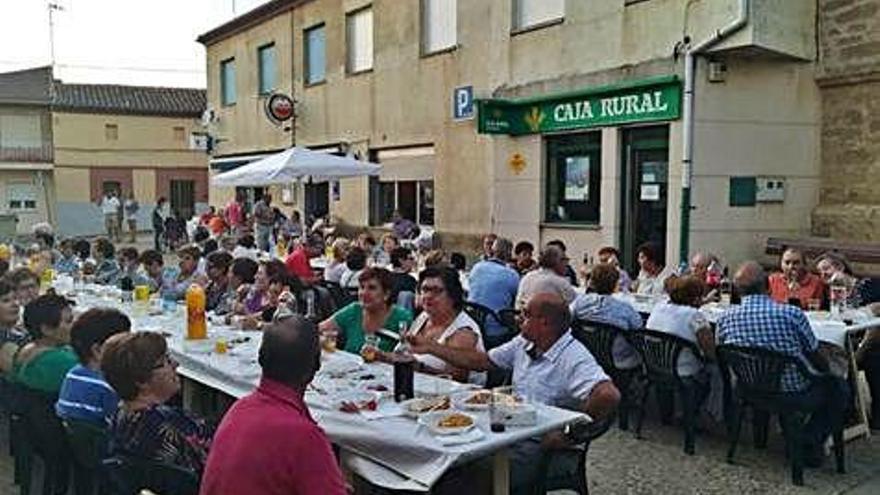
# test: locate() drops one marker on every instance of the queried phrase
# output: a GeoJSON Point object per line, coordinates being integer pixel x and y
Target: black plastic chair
{"type": "Point", "coordinates": [509, 317]}
{"type": "Point", "coordinates": [341, 297]}
{"type": "Point", "coordinates": [660, 352]}
{"type": "Point", "coordinates": [576, 479]}
{"type": "Point", "coordinates": [599, 339]}
{"type": "Point", "coordinates": [88, 444]}
{"type": "Point", "coordinates": [37, 432]}
{"type": "Point", "coordinates": [128, 475]}
{"type": "Point", "coordinates": [480, 314]}
{"type": "Point", "coordinates": [758, 384]}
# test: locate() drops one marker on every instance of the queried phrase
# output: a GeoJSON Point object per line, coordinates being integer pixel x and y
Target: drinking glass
{"type": "Point", "coordinates": [370, 348]}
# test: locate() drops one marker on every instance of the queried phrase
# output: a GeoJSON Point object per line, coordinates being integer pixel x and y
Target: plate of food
{"type": "Point", "coordinates": [480, 400]}
{"type": "Point", "coordinates": [448, 422]}
{"type": "Point", "coordinates": [356, 401]}
{"type": "Point", "coordinates": [423, 405]}
{"type": "Point", "coordinates": [477, 400]}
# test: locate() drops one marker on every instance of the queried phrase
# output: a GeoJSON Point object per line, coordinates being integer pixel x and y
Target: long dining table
{"type": "Point", "coordinates": [386, 447]}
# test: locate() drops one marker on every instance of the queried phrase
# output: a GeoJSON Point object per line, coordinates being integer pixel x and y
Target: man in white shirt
{"type": "Point", "coordinates": [110, 208]}
{"type": "Point", "coordinates": [549, 277]}
{"type": "Point", "coordinates": [549, 366]}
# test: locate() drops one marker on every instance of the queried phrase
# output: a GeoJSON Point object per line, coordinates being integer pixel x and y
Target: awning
{"type": "Point", "coordinates": [405, 164]}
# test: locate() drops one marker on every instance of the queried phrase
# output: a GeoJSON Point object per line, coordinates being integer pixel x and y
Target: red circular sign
{"type": "Point", "coordinates": [279, 107]}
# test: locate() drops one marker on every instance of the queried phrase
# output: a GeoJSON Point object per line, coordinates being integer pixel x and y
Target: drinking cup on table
{"type": "Point", "coordinates": [328, 341]}
{"type": "Point", "coordinates": [370, 348]}
{"type": "Point", "coordinates": [221, 346]}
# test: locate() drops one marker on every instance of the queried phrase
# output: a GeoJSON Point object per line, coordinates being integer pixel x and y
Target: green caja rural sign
{"type": "Point", "coordinates": [639, 101]}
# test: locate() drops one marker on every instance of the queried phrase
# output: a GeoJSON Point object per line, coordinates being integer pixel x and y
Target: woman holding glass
{"type": "Point", "coordinates": [444, 321]}
{"type": "Point", "coordinates": [373, 320]}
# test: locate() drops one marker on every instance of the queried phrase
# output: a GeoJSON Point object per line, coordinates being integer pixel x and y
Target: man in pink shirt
{"type": "Point", "coordinates": [298, 264]}
{"type": "Point", "coordinates": [268, 442]}
{"type": "Point", "coordinates": [235, 214]}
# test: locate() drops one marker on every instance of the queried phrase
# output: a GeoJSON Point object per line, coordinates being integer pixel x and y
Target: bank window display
{"type": "Point", "coordinates": [572, 178]}
{"type": "Point", "coordinates": [315, 59]}
{"type": "Point", "coordinates": [530, 13]}
{"type": "Point", "coordinates": [439, 25]}
{"type": "Point", "coordinates": [227, 82]}
{"type": "Point", "coordinates": [359, 41]}
{"type": "Point", "coordinates": [21, 196]}
{"type": "Point", "coordinates": [266, 68]}
{"type": "Point", "coordinates": [414, 200]}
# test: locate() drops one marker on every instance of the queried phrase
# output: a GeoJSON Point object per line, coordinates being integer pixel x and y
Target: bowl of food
{"type": "Point", "coordinates": [423, 405]}
{"type": "Point", "coordinates": [448, 422]}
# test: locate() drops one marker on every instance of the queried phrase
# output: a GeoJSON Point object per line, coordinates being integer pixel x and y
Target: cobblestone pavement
{"type": "Point", "coordinates": [620, 464]}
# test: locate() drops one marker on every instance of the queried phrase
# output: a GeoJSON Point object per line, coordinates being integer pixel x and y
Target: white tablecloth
{"type": "Point", "coordinates": [392, 452]}
{"type": "Point", "coordinates": [826, 328]}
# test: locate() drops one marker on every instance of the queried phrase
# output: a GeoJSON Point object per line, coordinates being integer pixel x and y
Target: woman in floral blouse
{"type": "Point", "coordinates": [138, 367]}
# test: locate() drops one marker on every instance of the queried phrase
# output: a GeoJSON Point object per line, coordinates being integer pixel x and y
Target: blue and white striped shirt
{"type": "Point", "coordinates": [86, 396]}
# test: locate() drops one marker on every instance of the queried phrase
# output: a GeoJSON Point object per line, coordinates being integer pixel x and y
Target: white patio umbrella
{"type": "Point", "coordinates": [295, 164]}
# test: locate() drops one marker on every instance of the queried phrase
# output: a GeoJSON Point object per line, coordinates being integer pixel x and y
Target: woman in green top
{"type": "Point", "coordinates": [42, 364]}
{"type": "Point", "coordinates": [373, 314]}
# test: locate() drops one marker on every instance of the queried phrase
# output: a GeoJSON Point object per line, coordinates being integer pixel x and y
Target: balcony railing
{"type": "Point", "coordinates": [42, 153]}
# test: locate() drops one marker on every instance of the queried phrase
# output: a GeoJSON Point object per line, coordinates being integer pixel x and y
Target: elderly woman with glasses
{"type": "Point", "coordinates": [374, 314]}
{"type": "Point", "coordinates": [444, 321]}
{"type": "Point", "coordinates": [139, 369]}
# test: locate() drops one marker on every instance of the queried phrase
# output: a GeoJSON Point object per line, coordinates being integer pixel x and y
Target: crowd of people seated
{"type": "Point", "coordinates": [394, 297]}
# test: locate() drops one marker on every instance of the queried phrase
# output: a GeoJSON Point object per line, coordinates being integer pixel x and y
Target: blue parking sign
{"type": "Point", "coordinates": [463, 103]}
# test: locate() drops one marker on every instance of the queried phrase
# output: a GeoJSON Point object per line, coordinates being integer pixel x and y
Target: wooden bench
{"type": "Point", "coordinates": [861, 253]}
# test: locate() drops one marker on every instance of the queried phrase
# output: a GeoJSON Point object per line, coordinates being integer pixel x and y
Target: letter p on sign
{"type": "Point", "coordinates": [463, 103]}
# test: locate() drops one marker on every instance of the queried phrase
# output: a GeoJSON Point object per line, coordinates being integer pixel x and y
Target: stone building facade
{"type": "Point", "coordinates": [587, 182]}
{"type": "Point", "coordinates": [849, 82]}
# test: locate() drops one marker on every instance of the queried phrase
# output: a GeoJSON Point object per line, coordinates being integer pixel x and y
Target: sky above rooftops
{"type": "Point", "coordinates": [115, 41]}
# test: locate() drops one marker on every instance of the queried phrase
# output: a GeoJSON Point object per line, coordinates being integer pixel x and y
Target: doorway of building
{"type": "Point", "coordinates": [317, 201]}
{"type": "Point", "coordinates": [645, 187]}
{"type": "Point", "coordinates": [183, 197]}
{"type": "Point", "coordinates": [109, 186]}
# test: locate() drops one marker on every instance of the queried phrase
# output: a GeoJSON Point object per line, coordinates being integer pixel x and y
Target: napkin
{"type": "Point", "coordinates": [472, 436]}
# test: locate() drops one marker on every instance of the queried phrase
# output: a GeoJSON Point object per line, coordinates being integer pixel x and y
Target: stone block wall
{"type": "Point", "coordinates": [849, 78]}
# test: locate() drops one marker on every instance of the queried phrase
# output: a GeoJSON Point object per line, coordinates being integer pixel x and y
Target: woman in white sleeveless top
{"type": "Point", "coordinates": [443, 320]}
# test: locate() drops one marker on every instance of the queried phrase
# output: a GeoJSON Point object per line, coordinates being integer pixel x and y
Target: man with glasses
{"type": "Point", "coordinates": [268, 442]}
{"type": "Point", "coordinates": [549, 366]}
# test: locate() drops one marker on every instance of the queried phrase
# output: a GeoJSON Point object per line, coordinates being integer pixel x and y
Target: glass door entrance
{"type": "Point", "coordinates": [645, 185]}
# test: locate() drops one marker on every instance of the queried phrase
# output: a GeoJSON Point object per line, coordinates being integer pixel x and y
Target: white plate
{"type": "Point", "coordinates": [413, 407]}
{"type": "Point", "coordinates": [432, 420]}
{"type": "Point", "coordinates": [460, 400]}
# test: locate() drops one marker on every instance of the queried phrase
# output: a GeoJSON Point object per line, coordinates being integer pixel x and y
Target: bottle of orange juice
{"type": "Point", "coordinates": [196, 324]}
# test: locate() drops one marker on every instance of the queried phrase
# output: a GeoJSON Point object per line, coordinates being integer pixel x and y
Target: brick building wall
{"type": "Point", "coordinates": [849, 79]}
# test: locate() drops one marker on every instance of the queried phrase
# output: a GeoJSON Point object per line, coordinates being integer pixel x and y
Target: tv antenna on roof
{"type": "Point", "coordinates": [52, 6]}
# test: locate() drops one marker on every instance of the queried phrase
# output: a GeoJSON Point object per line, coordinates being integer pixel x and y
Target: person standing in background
{"type": "Point", "coordinates": [130, 210]}
{"type": "Point", "coordinates": [264, 221]}
{"type": "Point", "coordinates": [158, 219]}
{"type": "Point", "coordinates": [110, 208]}
{"type": "Point", "coordinates": [235, 214]}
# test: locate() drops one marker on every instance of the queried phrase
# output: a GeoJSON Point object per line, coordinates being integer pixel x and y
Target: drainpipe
{"type": "Point", "coordinates": [690, 61]}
